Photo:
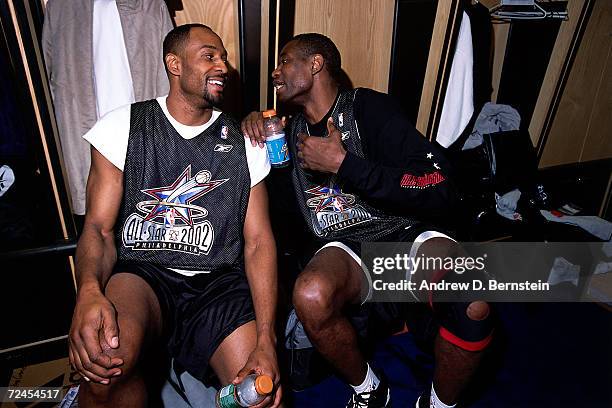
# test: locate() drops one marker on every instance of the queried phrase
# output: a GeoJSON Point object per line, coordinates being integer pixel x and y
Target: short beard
{"type": "Point", "coordinates": [214, 101]}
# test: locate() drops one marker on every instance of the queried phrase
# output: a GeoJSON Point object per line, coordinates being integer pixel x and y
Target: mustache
{"type": "Point", "coordinates": [222, 77]}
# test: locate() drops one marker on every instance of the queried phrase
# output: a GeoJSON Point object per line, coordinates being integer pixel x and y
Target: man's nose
{"type": "Point", "coordinates": [222, 66]}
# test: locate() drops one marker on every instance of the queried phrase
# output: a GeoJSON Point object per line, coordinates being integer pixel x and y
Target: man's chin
{"type": "Point", "coordinates": [282, 97]}
{"type": "Point", "coordinates": [214, 100]}
{"type": "Point", "coordinates": [288, 96]}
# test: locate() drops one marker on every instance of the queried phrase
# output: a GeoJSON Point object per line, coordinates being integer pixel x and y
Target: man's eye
{"type": "Point", "coordinates": [209, 57]}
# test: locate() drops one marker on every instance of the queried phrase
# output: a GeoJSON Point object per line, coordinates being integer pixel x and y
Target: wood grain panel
{"type": "Point", "coordinates": [38, 64]}
{"type": "Point", "coordinates": [361, 29]}
{"type": "Point", "coordinates": [598, 140]}
{"type": "Point", "coordinates": [453, 22]}
{"type": "Point", "coordinates": [437, 52]}
{"type": "Point", "coordinates": [500, 40]}
{"type": "Point", "coordinates": [581, 127]}
{"type": "Point", "coordinates": [221, 16]}
{"type": "Point", "coordinates": [555, 69]}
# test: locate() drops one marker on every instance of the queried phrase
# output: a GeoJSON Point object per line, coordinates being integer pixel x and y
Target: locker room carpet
{"type": "Point", "coordinates": [545, 355]}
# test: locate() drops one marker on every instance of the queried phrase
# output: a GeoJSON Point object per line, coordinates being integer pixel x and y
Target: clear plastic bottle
{"type": "Point", "coordinates": [276, 142]}
{"type": "Point", "coordinates": [251, 391]}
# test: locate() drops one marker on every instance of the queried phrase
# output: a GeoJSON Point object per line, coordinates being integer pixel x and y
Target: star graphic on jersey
{"type": "Point", "coordinates": [429, 155]}
{"type": "Point", "coordinates": [436, 166]}
{"type": "Point", "coordinates": [181, 194]}
{"type": "Point", "coordinates": [330, 197]}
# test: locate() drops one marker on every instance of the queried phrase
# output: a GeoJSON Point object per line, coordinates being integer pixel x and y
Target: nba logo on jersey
{"type": "Point", "coordinates": [169, 218]}
{"type": "Point", "coordinates": [223, 132]}
{"type": "Point", "coordinates": [341, 119]}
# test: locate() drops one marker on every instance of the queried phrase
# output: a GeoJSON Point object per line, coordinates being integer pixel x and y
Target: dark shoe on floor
{"type": "Point", "coordinates": [378, 398]}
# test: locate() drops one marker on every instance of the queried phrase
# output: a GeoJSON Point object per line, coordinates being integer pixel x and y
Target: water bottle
{"type": "Point", "coordinates": [276, 143]}
{"type": "Point", "coordinates": [251, 391]}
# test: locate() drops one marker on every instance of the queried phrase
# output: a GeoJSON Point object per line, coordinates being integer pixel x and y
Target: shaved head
{"type": "Point", "coordinates": [175, 40]}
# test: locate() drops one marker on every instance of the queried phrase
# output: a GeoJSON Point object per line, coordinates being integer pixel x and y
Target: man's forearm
{"type": "Point", "coordinates": [95, 258]}
{"type": "Point", "coordinates": [260, 264]}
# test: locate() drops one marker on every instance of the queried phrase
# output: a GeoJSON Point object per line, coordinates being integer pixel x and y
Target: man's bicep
{"type": "Point", "coordinates": [257, 221]}
{"type": "Point", "coordinates": [104, 192]}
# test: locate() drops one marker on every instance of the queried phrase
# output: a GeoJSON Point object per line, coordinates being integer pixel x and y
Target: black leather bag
{"type": "Point", "coordinates": [503, 162]}
{"type": "Point", "coordinates": [511, 161]}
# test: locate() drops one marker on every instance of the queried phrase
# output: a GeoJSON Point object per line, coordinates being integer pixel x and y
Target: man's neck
{"type": "Point", "coordinates": [187, 111]}
{"type": "Point", "coordinates": [320, 103]}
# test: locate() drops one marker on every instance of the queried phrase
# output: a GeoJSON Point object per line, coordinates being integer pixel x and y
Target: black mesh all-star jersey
{"type": "Point", "coordinates": [184, 200]}
{"type": "Point", "coordinates": [330, 211]}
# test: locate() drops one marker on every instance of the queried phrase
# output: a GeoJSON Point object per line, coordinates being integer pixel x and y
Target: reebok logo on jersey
{"type": "Point", "coordinates": [223, 148]}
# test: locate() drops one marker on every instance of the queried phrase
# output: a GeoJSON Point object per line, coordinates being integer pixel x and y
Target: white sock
{"type": "Point", "coordinates": [435, 402]}
{"type": "Point", "coordinates": [370, 382]}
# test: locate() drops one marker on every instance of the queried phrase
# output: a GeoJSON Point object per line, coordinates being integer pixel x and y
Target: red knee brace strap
{"type": "Point", "coordinates": [465, 344]}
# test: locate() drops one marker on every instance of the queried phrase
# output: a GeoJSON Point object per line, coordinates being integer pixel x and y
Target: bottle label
{"type": "Point", "coordinates": [278, 151]}
{"type": "Point", "coordinates": [227, 397]}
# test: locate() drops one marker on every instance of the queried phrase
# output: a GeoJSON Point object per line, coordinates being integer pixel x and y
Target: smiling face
{"type": "Point", "coordinates": [203, 67]}
{"type": "Point", "coordinates": [292, 78]}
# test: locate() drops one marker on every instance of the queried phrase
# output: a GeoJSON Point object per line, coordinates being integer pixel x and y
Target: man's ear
{"type": "Point", "coordinates": [317, 63]}
{"type": "Point", "coordinates": [173, 63]}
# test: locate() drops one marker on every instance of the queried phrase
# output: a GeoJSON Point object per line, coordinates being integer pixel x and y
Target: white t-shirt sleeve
{"type": "Point", "coordinates": [110, 135]}
{"type": "Point", "coordinates": [257, 159]}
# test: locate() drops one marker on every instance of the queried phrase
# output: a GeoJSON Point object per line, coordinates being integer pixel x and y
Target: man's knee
{"type": "Point", "coordinates": [478, 310]}
{"type": "Point", "coordinates": [466, 325]}
{"type": "Point", "coordinates": [129, 351]}
{"type": "Point", "coordinates": [129, 369]}
{"type": "Point", "coordinates": [313, 297]}
{"type": "Point", "coordinates": [100, 393]}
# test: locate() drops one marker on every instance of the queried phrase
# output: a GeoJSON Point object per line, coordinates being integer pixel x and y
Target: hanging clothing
{"type": "Point", "coordinates": [68, 51]}
{"type": "Point", "coordinates": [480, 22]}
{"type": "Point", "coordinates": [459, 100]}
{"type": "Point", "coordinates": [109, 45]}
{"type": "Point", "coordinates": [492, 118]}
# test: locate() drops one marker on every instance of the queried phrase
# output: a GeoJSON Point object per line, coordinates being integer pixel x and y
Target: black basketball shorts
{"type": "Point", "coordinates": [198, 311]}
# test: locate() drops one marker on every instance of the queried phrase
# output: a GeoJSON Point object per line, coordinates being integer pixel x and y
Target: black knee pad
{"type": "Point", "coordinates": [459, 329]}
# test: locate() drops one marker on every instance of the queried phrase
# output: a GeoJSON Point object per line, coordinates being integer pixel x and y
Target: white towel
{"type": "Point", "coordinates": [563, 271]}
{"type": "Point", "coordinates": [111, 68]}
{"type": "Point", "coordinates": [506, 205]}
{"type": "Point", "coordinates": [459, 100]}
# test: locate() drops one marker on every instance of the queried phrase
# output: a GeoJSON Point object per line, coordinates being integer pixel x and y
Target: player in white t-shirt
{"type": "Point", "coordinates": [177, 244]}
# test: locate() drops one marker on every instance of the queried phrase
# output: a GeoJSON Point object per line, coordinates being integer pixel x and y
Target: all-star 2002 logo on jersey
{"type": "Point", "coordinates": [171, 221]}
{"type": "Point", "coordinates": [334, 210]}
